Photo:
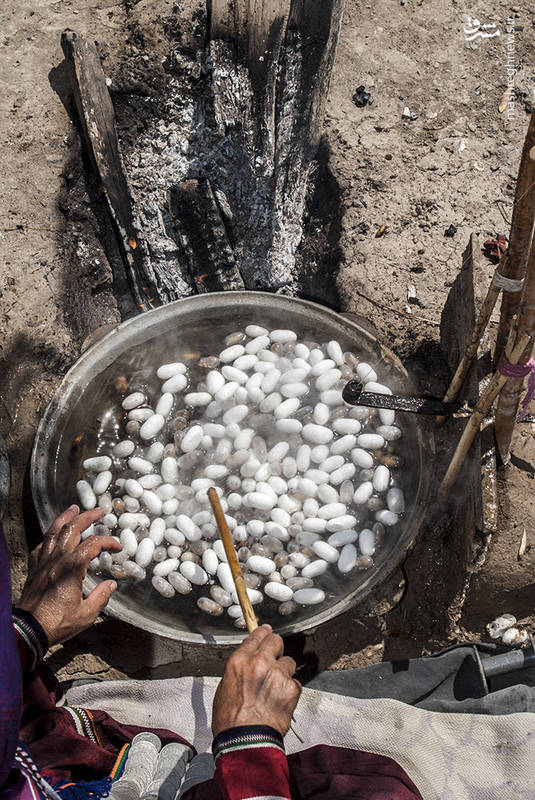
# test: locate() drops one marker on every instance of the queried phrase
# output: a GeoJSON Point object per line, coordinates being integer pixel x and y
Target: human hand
{"type": "Point", "coordinates": [53, 589]}
{"type": "Point", "coordinates": [257, 687]}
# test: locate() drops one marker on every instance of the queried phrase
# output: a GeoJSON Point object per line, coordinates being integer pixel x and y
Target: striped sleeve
{"type": "Point", "coordinates": [32, 634]}
{"type": "Point", "coordinates": [251, 764]}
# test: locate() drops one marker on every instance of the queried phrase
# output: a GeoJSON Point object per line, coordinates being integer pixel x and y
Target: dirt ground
{"type": "Point", "coordinates": [452, 161]}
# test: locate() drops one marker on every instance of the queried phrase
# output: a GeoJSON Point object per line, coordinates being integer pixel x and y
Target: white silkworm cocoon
{"type": "Point", "coordinates": [128, 541]}
{"type": "Point", "coordinates": [348, 558]}
{"type": "Point", "coordinates": [197, 399]}
{"type": "Point", "coordinates": [386, 517]}
{"type": "Point", "coordinates": [327, 494]}
{"type": "Point", "coordinates": [315, 568]}
{"type": "Point", "coordinates": [224, 576]}
{"type": "Point", "coordinates": [381, 478]}
{"type": "Point", "coordinates": [377, 388]}
{"type": "Point", "coordinates": [256, 330]}
{"type": "Point", "coordinates": [332, 397]}
{"type": "Point", "coordinates": [231, 353]}
{"type": "Point", "coordinates": [235, 375]}
{"type": "Point", "coordinates": [150, 481]}
{"type": "Point", "coordinates": [270, 381]}
{"type": "Point", "coordinates": [193, 573]}
{"type": "Point", "coordinates": [123, 449]}
{"type": "Point", "coordinates": [343, 473]}
{"type": "Point", "coordinates": [176, 383]}
{"type": "Point", "coordinates": [367, 542]}
{"type": "Point", "coordinates": [257, 344]}
{"type": "Point", "coordinates": [165, 567]}
{"type": "Point", "coordinates": [102, 482]}
{"type": "Point", "coordinates": [133, 400]}
{"type": "Point", "coordinates": [133, 488]}
{"type": "Point", "coordinates": [270, 403]}
{"type": "Point", "coordinates": [309, 597]}
{"type": "Point", "coordinates": [283, 336]}
{"type": "Point", "coordinates": [346, 425]}
{"type": "Point", "coordinates": [191, 440]}
{"type": "Point", "coordinates": [246, 362]}
{"type": "Point", "coordinates": [167, 371]}
{"type": "Point", "coordinates": [370, 441]}
{"type": "Point", "coordinates": [142, 465]}
{"type": "Point", "coordinates": [365, 372]}
{"type": "Point", "coordinates": [88, 499]}
{"type": "Point", "coordinates": [317, 434]}
{"type": "Point", "coordinates": [278, 591]}
{"type": "Point", "coordinates": [261, 565]}
{"type": "Point", "coordinates": [157, 530]}
{"type": "Point", "coordinates": [335, 352]}
{"type": "Point", "coordinates": [322, 367]}
{"type": "Point", "coordinates": [287, 408]}
{"type": "Point", "coordinates": [227, 391]}
{"type": "Point", "coordinates": [97, 464]}
{"type": "Point", "coordinates": [235, 414]}
{"type": "Point", "coordinates": [341, 523]}
{"type": "Point", "coordinates": [331, 510]}
{"type": "Point", "coordinates": [303, 458]}
{"type": "Point", "coordinates": [174, 537]}
{"type": "Point", "coordinates": [155, 453]}
{"type": "Point", "coordinates": [317, 475]}
{"type": "Point", "coordinates": [390, 433]}
{"type": "Point", "coordinates": [328, 380]}
{"type": "Point", "coordinates": [289, 425]}
{"type": "Point", "coordinates": [191, 531]}
{"type": "Point", "coordinates": [152, 502]}
{"type": "Point", "coordinates": [325, 551]}
{"type": "Point", "coordinates": [341, 538]}
{"type": "Point", "coordinates": [361, 458]}
{"type": "Point", "coordinates": [169, 470]}
{"type": "Point", "coordinates": [343, 444]}
{"type": "Point", "coordinates": [165, 404]}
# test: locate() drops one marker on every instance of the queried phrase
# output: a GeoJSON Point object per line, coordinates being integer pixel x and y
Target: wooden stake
{"type": "Point", "coordinates": [241, 590]}
{"type": "Point", "coordinates": [515, 257]}
{"type": "Point", "coordinates": [479, 329]}
{"type": "Point", "coordinates": [496, 384]}
{"type": "Point", "coordinates": [510, 397]}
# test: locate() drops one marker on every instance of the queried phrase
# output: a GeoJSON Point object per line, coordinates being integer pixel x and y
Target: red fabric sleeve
{"type": "Point", "coordinates": [259, 772]}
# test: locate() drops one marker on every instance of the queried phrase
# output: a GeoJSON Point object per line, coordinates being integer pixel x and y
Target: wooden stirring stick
{"type": "Point", "coordinates": [241, 590]}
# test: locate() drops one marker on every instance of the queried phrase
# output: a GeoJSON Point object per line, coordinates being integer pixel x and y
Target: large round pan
{"type": "Point", "coordinates": [87, 400]}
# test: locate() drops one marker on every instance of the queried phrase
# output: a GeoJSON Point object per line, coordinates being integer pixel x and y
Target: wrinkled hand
{"type": "Point", "coordinates": [257, 687]}
{"type": "Point", "coordinates": [53, 589]}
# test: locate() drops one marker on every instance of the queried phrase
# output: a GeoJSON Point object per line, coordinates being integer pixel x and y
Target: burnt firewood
{"type": "Point", "coordinates": [203, 237]}
{"type": "Point", "coordinates": [97, 121]}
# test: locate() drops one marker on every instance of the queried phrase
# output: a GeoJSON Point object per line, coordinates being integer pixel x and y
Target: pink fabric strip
{"type": "Point", "coordinates": [520, 371]}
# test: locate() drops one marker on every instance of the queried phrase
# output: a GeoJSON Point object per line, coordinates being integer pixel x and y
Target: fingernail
{"type": "Point", "coordinates": [73, 508]}
{"type": "Point", "coordinates": [113, 586]}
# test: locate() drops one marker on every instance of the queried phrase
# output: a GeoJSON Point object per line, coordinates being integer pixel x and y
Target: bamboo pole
{"type": "Point", "coordinates": [523, 217]}
{"type": "Point", "coordinates": [241, 589]}
{"type": "Point", "coordinates": [510, 396]}
{"type": "Point", "coordinates": [513, 353]}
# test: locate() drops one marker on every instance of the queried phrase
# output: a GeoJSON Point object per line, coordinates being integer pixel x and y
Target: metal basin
{"type": "Point", "coordinates": [85, 407]}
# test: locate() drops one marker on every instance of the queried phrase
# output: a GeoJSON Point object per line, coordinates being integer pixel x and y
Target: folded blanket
{"type": "Point", "coordinates": [461, 756]}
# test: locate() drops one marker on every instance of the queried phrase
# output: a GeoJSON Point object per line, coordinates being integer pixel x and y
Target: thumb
{"type": "Point", "coordinates": [98, 598]}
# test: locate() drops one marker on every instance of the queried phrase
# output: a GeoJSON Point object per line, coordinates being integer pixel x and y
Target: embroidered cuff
{"type": "Point", "coordinates": [244, 737]}
{"type": "Point", "coordinates": [32, 633]}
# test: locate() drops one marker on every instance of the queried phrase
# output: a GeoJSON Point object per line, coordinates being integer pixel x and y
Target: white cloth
{"type": "Point", "coordinates": [460, 756]}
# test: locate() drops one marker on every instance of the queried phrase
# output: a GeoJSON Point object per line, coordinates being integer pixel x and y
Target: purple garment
{"type": "Point", "coordinates": [10, 677]}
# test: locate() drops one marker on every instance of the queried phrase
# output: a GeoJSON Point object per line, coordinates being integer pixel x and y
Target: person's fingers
{"type": "Point", "coordinates": [254, 640]}
{"type": "Point", "coordinates": [92, 547]}
{"type": "Point", "coordinates": [271, 646]}
{"type": "Point", "coordinates": [50, 537]}
{"type": "Point", "coordinates": [287, 665]}
{"type": "Point", "coordinates": [97, 600]}
{"type": "Point", "coordinates": [69, 536]}
{"type": "Point", "coordinates": [33, 559]}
